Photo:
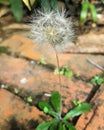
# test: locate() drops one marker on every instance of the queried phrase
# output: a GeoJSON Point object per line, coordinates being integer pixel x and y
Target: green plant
{"type": "Point", "coordinates": [16, 91]}
{"type": "Point", "coordinates": [56, 29]}
{"type": "Point", "coordinates": [102, 1]}
{"type": "Point", "coordinates": [16, 8]}
{"type": "Point", "coordinates": [64, 71]}
{"type": "Point", "coordinates": [97, 80]}
{"type": "Point", "coordinates": [29, 99]}
{"type": "Point", "coordinates": [54, 110]}
{"type": "Point", "coordinates": [86, 6]}
{"type": "Point", "coordinates": [42, 61]}
{"type": "Point", "coordinates": [76, 103]}
{"type": "Point", "coordinates": [4, 49]}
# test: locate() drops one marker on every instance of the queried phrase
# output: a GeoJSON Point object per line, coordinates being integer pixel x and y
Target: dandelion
{"type": "Point", "coordinates": [53, 28]}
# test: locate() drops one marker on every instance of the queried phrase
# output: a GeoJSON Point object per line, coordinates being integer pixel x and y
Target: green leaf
{"type": "Point", "coordinates": [54, 124]}
{"type": "Point", "coordinates": [4, 2]}
{"type": "Point", "coordinates": [100, 81]}
{"type": "Point", "coordinates": [47, 109]}
{"type": "Point", "coordinates": [69, 125]}
{"type": "Point", "coordinates": [102, 1]}
{"type": "Point", "coordinates": [57, 71]}
{"type": "Point", "coordinates": [45, 4]}
{"type": "Point", "coordinates": [76, 103]}
{"type": "Point", "coordinates": [56, 101]}
{"type": "Point", "coordinates": [97, 80]}
{"type": "Point", "coordinates": [61, 126]}
{"type": "Point", "coordinates": [29, 99]}
{"type": "Point", "coordinates": [80, 109]}
{"type": "Point", "coordinates": [64, 71]}
{"type": "Point", "coordinates": [48, 125]}
{"type": "Point", "coordinates": [84, 11]}
{"type": "Point", "coordinates": [45, 106]}
{"type": "Point", "coordinates": [43, 126]}
{"type": "Point", "coordinates": [93, 12]}
{"type": "Point", "coordinates": [16, 91]}
{"type": "Point", "coordinates": [4, 49]}
{"type": "Point", "coordinates": [54, 4]}
{"type": "Point", "coordinates": [17, 9]}
{"type": "Point", "coordinates": [68, 74]}
{"type": "Point", "coordinates": [43, 61]}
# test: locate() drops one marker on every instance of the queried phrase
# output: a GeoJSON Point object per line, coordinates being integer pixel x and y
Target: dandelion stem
{"type": "Point", "coordinates": [59, 76]}
{"type": "Point", "coordinates": [58, 66]}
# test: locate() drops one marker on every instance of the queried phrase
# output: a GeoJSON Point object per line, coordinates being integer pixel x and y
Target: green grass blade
{"type": "Point", "coordinates": [93, 12]}
{"type": "Point", "coordinates": [84, 11]}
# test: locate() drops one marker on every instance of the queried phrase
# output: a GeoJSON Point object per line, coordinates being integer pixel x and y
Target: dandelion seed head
{"type": "Point", "coordinates": [52, 27]}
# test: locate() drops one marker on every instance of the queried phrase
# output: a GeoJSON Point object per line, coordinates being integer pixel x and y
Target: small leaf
{"type": "Point", "coordinates": [43, 126]}
{"type": "Point", "coordinates": [69, 125]}
{"type": "Point", "coordinates": [16, 90]}
{"type": "Point", "coordinates": [44, 105]}
{"type": "Point", "coordinates": [56, 101]}
{"type": "Point", "coordinates": [80, 109]}
{"type": "Point", "coordinates": [84, 11]}
{"type": "Point", "coordinates": [76, 103]}
{"type": "Point", "coordinates": [17, 9]}
{"type": "Point", "coordinates": [43, 61]}
{"type": "Point", "coordinates": [100, 81]}
{"type": "Point", "coordinates": [4, 49]}
{"type": "Point", "coordinates": [68, 74]}
{"type": "Point", "coordinates": [57, 71]}
{"type": "Point", "coordinates": [54, 4]}
{"type": "Point", "coordinates": [61, 126]}
{"type": "Point", "coordinates": [97, 80]}
{"type": "Point", "coordinates": [29, 99]}
{"type": "Point", "coordinates": [54, 124]}
{"type": "Point", "coordinates": [93, 12]}
{"type": "Point", "coordinates": [46, 110]}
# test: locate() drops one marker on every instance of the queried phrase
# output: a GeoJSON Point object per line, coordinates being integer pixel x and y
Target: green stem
{"type": "Point", "coordinates": [60, 82]}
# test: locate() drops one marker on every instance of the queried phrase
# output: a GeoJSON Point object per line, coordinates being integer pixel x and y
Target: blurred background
{"type": "Point", "coordinates": [15, 15]}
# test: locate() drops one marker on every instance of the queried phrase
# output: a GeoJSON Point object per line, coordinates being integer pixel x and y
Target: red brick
{"type": "Point", "coordinates": [13, 106]}
{"type": "Point", "coordinates": [40, 80]}
{"type": "Point", "coordinates": [94, 120]}
{"type": "Point", "coordinates": [77, 62]}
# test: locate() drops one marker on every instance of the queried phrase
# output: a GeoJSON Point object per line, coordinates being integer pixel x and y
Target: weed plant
{"type": "Point", "coordinates": [56, 29]}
